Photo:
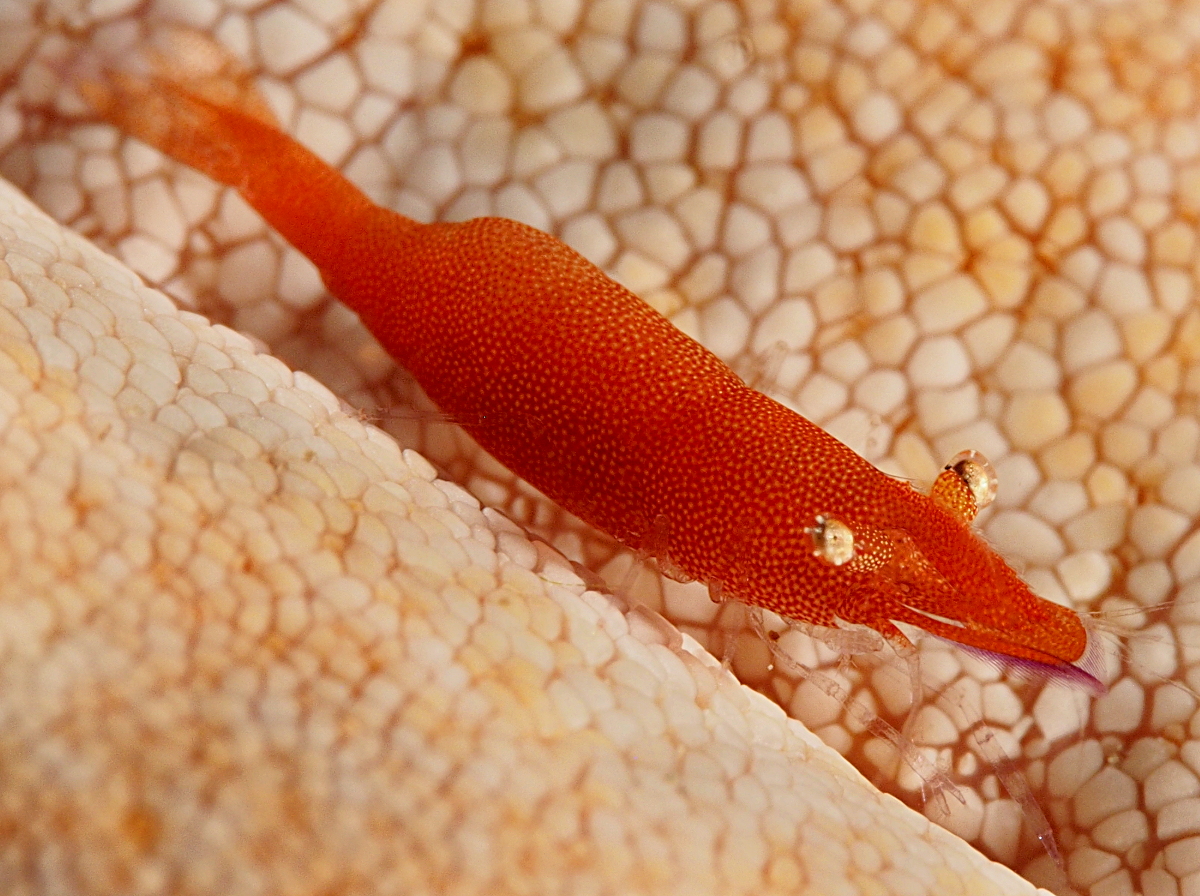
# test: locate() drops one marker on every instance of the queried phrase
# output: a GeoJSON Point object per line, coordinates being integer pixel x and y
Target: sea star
{"type": "Point", "coordinates": [970, 228]}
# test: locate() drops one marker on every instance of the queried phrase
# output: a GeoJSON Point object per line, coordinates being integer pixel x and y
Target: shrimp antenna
{"type": "Point", "coordinates": [1103, 623]}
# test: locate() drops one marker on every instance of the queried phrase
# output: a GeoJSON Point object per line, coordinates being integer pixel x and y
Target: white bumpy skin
{"type": "Point", "coordinates": [971, 224]}
{"type": "Point", "coordinates": [247, 644]}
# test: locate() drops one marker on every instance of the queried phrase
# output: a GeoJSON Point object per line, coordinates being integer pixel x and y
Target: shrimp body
{"type": "Point", "coordinates": [581, 388]}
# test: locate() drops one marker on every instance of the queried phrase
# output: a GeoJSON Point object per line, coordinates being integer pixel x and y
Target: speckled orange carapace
{"type": "Point", "coordinates": [581, 388]}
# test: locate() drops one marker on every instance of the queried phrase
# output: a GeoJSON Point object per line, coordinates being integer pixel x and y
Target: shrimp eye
{"type": "Point", "coordinates": [979, 475]}
{"type": "Point", "coordinates": [966, 485]}
{"type": "Point", "coordinates": [832, 539]}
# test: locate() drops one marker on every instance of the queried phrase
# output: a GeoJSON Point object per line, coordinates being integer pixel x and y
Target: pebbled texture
{"type": "Point", "coordinates": [248, 645]}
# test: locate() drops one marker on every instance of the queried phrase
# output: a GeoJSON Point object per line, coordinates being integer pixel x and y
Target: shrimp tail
{"type": "Point", "coordinates": [187, 96]}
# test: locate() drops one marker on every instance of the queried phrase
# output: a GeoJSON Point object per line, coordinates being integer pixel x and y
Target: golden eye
{"type": "Point", "coordinates": [832, 539]}
{"type": "Point", "coordinates": [979, 475]}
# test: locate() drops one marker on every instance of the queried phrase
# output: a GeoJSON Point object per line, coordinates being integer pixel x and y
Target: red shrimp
{"type": "Point", "coordinates": [580, 387]}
